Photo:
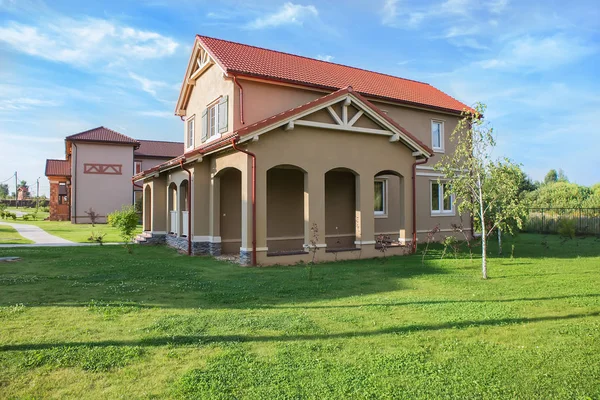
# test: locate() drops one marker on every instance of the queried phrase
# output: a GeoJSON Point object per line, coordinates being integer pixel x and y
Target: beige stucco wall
{"type": "Point", "coordinates": [390, 223]}
{"type": "Point", "coordinates": [104, 193]}
{"type": "Point", "coordinates": [263, 100]}
{"type": "Point", "coordinates": [209, 87]}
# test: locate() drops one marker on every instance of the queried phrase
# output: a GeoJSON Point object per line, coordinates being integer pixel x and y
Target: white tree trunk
{"type": "Point", "coordinates": [483, 231]}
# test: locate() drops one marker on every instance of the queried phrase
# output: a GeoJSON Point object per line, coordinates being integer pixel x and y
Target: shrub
{"type": "Point", "coordinates": [139, 205]}
{"type": "Point", "coordinates": [93, 215]}
{"type": "Point", "coordinates": [126, 221]}
{"type": "Point", "coordinates": [25, 217]}
{"type": "Point", "coordinates": [13, 216]}
{"type": "Point", "coordinates": [566, 228]}
{"type": "Point", "coordinates": [97, 237]}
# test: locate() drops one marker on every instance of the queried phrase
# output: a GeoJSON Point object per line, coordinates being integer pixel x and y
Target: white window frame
{"type": "Point", "coordinates": [441, 211]}
{"type": "Point", "coordinates": [439, 149]}
{"type": "Point", "coordinates": [384, 213]}
{"type": "Point", "coordinates": [213, 130]}
{"type": "Point", "coordinates": [191, 121]}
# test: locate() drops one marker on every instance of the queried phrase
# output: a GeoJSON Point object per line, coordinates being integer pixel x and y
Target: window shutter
{"type": "Point", "coordinates": [223, 116]}
{"type": "Point", "coordinates": [204, 126]}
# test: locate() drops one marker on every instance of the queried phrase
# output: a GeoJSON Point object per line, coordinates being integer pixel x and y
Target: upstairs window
{"type": "Point", "coordinates": [441, 201]}
{"type": "Point", "coordinates": [190, 132]}
{"type": "Point", "coordinates": [437, 135]}
{"type": "Point", "coordinates": [380, 197]}
{"type": "Point", "coordinates": [215, 119]}
{"type": "Point", "coordinates": [137, 166]}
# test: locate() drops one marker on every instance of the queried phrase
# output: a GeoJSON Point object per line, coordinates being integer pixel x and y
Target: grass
{"type": "Point", "coordinates": [96, 322]}
{"type": "Point", "coordinates": [78, 233]}
{"type": "Point", "coordinates": [9, 235]}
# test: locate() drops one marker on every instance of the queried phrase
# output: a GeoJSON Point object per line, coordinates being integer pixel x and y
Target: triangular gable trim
{"type": "Point", "coordinates": [344, 123]}
{"type": "Point", "coordinates": [200, 61]}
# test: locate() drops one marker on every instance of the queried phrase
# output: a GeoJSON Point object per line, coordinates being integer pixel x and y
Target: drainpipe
{"type": "Point", "coordinates": [241, 98]}
{"type": "Point", "coordinates": [414, 202]}
{"type": "Point", "coordinates": [189, 206]}
{"type": "Point", "coordinates": [74, 184]}
{"type": "Point", "coordinates": [253, 198]}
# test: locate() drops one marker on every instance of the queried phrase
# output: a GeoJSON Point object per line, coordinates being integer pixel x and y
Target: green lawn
{"type": "Point", "coordinates": [96, 322]}
{"type": "Point", "coordinates": [9, 235]}
{"type": "Point", "coordinates": [75, 232]}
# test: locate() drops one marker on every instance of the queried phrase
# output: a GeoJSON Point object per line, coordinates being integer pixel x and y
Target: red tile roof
{"type": "Point", "coordinates": [58, 168]}
{"type": "Point", "coordinates": [253, 61]}
{"type": "Point", "coordinates": [159, 149]}
{"type": "Point", "coordinates": [102, 134]}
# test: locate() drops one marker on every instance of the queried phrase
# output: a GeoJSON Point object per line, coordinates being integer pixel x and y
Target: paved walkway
{"type": "Point", "coordinates": [37, 235]}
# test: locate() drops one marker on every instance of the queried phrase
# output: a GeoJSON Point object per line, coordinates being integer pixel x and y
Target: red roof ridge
{"type": "Point", "coordinates": [158, 141]}
{"type": "Point", "coordinates": [313, 59]}
{"type": "Point", "coordinates": [99, 128]}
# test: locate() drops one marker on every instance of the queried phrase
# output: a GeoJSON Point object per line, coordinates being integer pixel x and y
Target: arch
{"type": "Point", "coordinates": [172, 208]}
{"type": "Point", "coordinates": [182, 207]}
{"type": "Point", "coordinates": [286, 203]}
{"type": "Point", "coordinates": [341, 208]}
{"type": "Point", "coordinates": [229, 209]}
{"type": "Point", "coordinates": [389, 206]}
{"type": "Point", "coordinates": [147, 208]}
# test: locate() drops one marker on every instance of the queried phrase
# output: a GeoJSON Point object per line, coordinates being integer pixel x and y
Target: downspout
{"type": "Point", "coordinates": [241, 98]}
{"type": "Point", "coordinates": [189, 206]}
{"type": "Point", "coordinates": [414, 202]}
{"type": "Point", "coordinates": [253, 198]}
{"type": "Point", "coordinates": [74, 185]}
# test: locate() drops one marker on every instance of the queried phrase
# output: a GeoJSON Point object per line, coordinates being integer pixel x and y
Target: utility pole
{"type": "Point", "coordinates": [16, 190]}
{"type": "Point", "coordinates": [37, 194]}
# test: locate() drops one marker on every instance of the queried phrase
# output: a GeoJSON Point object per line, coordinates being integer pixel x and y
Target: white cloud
{"type": "Point", "coordinates": [325, 57]}
{"type": "Point", "coordinates": [497, 6]}
{"type": "Point", "coordinates": [289, 13]}
{"type": "Point", "coordinates": [148, 85]}
{"type": "Point", "coordinates": [25, 103]}
{"type": "Point", "coordinates": [389, 12]}
{"type": "Point", "coordinates": [539, 53]}
{"type": "Point", "coordinates": [82, 42]}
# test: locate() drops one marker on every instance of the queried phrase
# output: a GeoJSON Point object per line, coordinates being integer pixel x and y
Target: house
{"type": "Point", "coordinates": [23, 193]}
{"type": "Point", "coordinates": [287, 155]}
{"type": "Point", "coordinates": [97, 170]}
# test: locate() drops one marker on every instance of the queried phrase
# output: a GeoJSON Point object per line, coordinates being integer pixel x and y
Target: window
{"type": "Point", "coordinates": [190, 132]}
{"type": "Point", "coordinates": [137, 167]}
{"type": "Point", "coordinates": [381, 197]}
{"type": "Point", "coordinates": [440, 202]}
{"type": "Point", "coordinates": [213, 120]}
{"type": "Point", "coordinates": [437, 135]}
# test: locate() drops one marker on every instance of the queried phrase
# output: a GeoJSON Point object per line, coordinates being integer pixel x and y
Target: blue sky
{"type": "Point", "coordinates": [67, 66]}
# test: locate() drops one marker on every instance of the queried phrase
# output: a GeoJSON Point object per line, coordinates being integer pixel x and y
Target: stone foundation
{"type": "Point", "coordinates": [156, 238]}
{"type": "Point", "coordinates": [198, 248]}
{"type": "Point", "coordinates": [245, 257]}
{"type": "Point", "coordinates": [215, 249]}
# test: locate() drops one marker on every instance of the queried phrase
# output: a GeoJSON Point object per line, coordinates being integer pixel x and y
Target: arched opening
{"type": "Point", "coordinates": [389, 208]}
{"type": "Point", "coordinates": [340, 209]}
{"type": "Point", "coordinates": [183, 207]}
{"type": "Point", "coordinates": [172, 207]}
{"type": "Point", "coordinates": [285, 209]}
{"type": "Point", "coordinates": [147, 210]}
{"type": "Point", "coordinates": [230, 210]}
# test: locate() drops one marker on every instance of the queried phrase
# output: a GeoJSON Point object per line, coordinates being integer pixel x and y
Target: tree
{"type": "Point", "coordinates": [487, 189]}
{"type": "Point", "coordinates": [3, 190]}
{"type": "Point", "coordinates": [551, 177]}
{"type": "Point", "coordinates": [562, 177]}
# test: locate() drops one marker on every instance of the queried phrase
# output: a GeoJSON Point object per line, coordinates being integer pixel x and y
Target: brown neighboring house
{"type": "Point", "coordinates": [289, 158]}
{"type": "Point", "coordinates": [96, 172]}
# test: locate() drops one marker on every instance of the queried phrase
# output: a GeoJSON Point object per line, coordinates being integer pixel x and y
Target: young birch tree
{"type": "Point", "coordinates": [488, 189]}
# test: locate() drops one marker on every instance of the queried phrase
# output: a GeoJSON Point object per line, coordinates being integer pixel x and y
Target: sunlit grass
{"type": "Point", "coordinates": [100, 323]}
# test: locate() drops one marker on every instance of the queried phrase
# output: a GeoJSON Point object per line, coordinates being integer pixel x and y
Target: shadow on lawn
{"type": "Point", "coordinates": [202, 339]}
{"type": "Point", "coordinates": [159, 277]}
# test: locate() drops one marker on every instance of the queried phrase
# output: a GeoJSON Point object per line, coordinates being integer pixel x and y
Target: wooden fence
{"type": "Point", "coordinates": [546, 220]}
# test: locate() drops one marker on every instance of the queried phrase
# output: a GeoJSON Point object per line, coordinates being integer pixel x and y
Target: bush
{"type": "Point", "coordinates": [126, 221]}
{"type": "Point", "coordinates": [566, 228]}
{"type": "Point", "coordinates": [25, 217]}
{"type": "Point", "coordinates": [139, 207]}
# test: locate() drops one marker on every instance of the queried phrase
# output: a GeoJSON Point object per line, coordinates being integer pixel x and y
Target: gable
{"type": "Point", "coordinates": [200, 61]}
{"type": "Point", "coordinates": [344, 110]}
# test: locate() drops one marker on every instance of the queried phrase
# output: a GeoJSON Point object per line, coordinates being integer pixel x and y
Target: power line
{"type": "Point", "coordinates": [8, 178]}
